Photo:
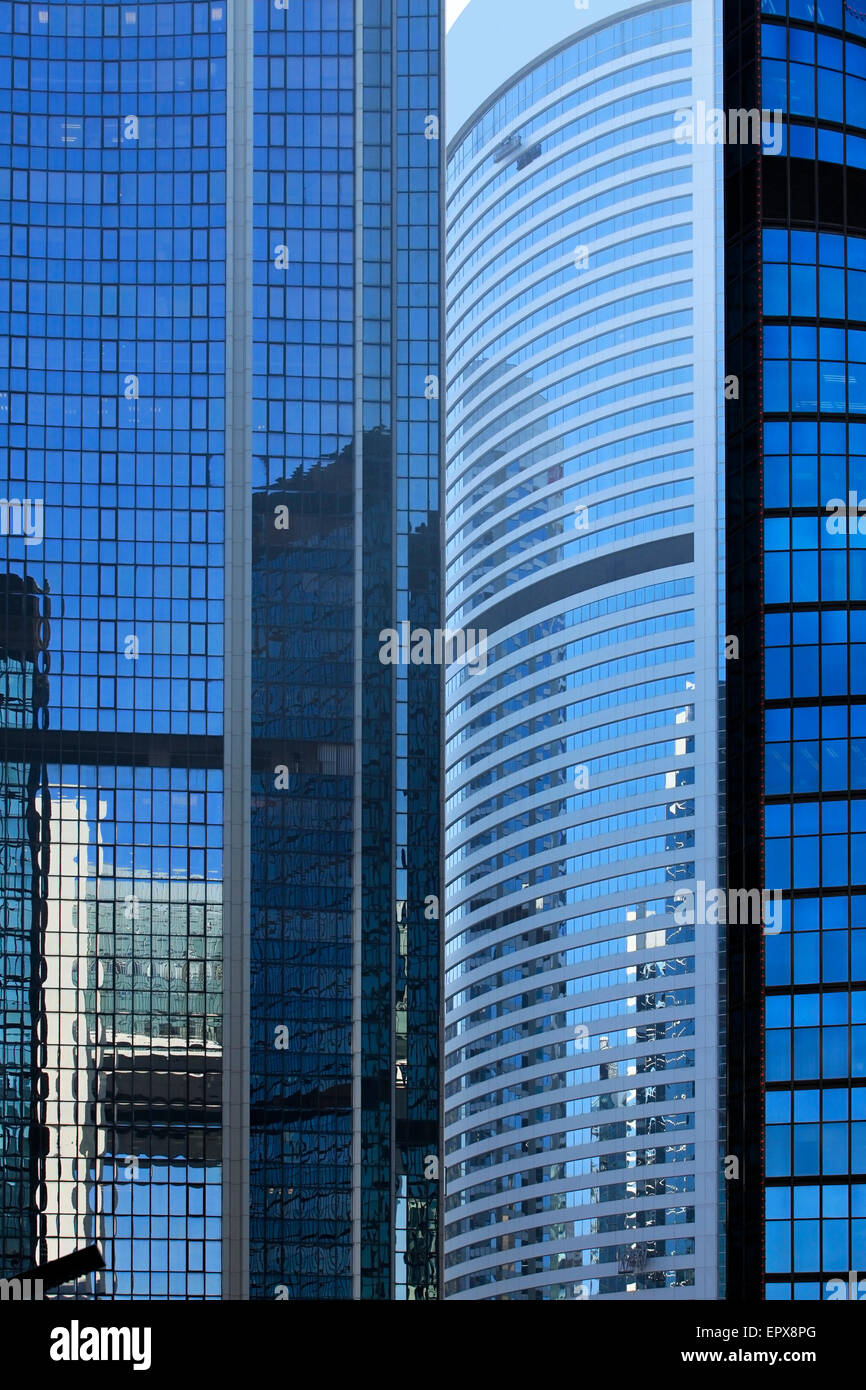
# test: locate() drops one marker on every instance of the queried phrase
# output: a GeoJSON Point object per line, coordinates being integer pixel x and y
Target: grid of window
{"type": "Point", "coordinates": [302, 648]}
{"type": "Point", "coordinates": [531, 494]}
{"type": "Point", "coordinates": [815, 716]}
{"type": "Point", "coordinates": [834, 14]}
{"type": "Point", "coordinates": [20, 853]}
{"type": "Point", "coordinates": [345, 507]}
{"type": "Point", "coordinates": [112, 396]}
{"type": "Point", "coordinates": [418, 689]}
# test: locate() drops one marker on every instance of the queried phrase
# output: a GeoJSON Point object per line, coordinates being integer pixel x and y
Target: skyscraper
{"type": "Point", "coordinates": [583, 1072]}
{"type": "Point", "coordinates": [112, 440]}
{"type": "Point", "coordinates": [343, 482]}
{"type": "Point", "coordinates": [220, 457]}
{"type": "Point", "coordinates": [796, 785]}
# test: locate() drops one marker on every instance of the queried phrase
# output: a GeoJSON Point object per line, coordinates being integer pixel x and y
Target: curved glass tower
{"type": "Point", "coordinates": [584, 395]}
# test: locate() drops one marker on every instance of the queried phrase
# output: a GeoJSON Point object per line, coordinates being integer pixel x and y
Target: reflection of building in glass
{"type": "Point", "coordinates": [129, 1067]}
{"type": "Point", "coordinates": [224, 299]}
{"type": "Point", "coordinates": [154, 999]}
{"type": "Point", "coordinates": [340, 1173]}
{"type": "Point", "coordinates": [112, 419]}
{"type": "Point", "coordinates": [584, 394]}
{"type": "Point", "coordinates": [24, 636]}
{"type": "Point", "coordinates": [69, 1205]}
{"type": "Point", "coordinates": [305, 1121]}
{"type": "Point", "coordinates": [796, 785]}
{"type": "Point", "coordinates": [135, 1087]}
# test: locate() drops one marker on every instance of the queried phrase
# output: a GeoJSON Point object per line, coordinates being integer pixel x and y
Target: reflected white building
{"type": "Point", "coordinates": [131, 1065]}
{"type": "Point", "coordinates": [70, 1199]}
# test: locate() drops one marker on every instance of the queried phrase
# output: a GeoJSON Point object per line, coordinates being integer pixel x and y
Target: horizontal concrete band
{"type": "Point", "coordinates": [604, 569]}
{"type": "Point", "coordinates": [95, 748]}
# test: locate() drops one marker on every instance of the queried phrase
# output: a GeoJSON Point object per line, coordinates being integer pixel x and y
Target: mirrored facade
{"type": "Point", "coordinates": [219, 320]}
{"type": "Point", "coordinates": [345, 748]}
{"type": "Point", "coordinates": [800, 470]}
{"type": "Point", "coordinates": [111, 430]}
{"type": "Point", "coordinates": [22, 657]}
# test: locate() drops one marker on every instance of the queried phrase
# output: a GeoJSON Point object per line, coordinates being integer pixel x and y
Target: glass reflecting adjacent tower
{"type": "Point", "coordinates": [797, 594]}
{"type": "Point", "coordinates": [219, 262]}
{"type": "Point", "coordinates": [23, 656]}
{"type": "Point", "coordinates": [112, 221]}
{"type": "Point", "coordinates": [582, 1060]}
{"type": "Point", "coordinates": [343, 481]}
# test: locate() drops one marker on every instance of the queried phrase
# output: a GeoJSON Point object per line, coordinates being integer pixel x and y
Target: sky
{"type": "Point", "coordinates": [453, 9]}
